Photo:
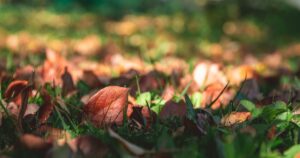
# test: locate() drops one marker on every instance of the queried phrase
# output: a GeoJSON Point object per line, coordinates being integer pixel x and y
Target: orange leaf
{"type": "Point", "coordinates": [107, 105]}
{"type": "Point", "coordinates": [235, 118]}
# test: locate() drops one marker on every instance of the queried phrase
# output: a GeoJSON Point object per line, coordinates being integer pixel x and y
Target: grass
{"type": "Point", "coordinates": [252, 138]}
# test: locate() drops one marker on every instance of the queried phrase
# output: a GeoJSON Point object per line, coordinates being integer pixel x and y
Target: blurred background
{"type": "Point", "coordinates": [214, 29]}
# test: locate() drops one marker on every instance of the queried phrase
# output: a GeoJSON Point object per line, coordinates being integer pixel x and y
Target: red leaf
{"type": "Point", "coordinates": [47, 107]}
{"type": "Point", "coordinates": [14, 89]}
{"type": "Point", "coordinates": [107, 105]}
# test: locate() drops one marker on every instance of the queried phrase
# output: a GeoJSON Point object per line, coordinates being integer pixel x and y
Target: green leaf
{"type": "Point", "coordinates": [291, 152]}
{"type": "Point", "coordinates": [285, 116]}
{"type": "Point", "coordinates": [248, 105]}
{"type": "Point", "coordinates": [191, 114]}
{"type": "Point", "coordinates": [157, 104]}
{"type": "Point", "coordinates": [270, 112]}
{"type": "Point", "coordinates": [143, 98]}
{"type": "Point", "coordinates": [196, 99]}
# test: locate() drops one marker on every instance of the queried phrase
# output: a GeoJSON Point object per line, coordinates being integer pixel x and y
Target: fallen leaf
{"type": "Point", "coordinates": [236, 75]}
{"type": "Point", "coordinates": [250, 89]}
{"type": "Point", "coordinates": [12, 108]}
{"type": "Point", "coordinates": [46, 108]}
{"type": "Point", "coordinates": [168, 93]}
{"type": "Point", "coordinates": [24, 73]}
{"type": "Point", "coordinates": [216, 92]}
{"type": "Point", "coordinates": [25, 94]}
{"type": "Point", "coordinates": [31, 109]}
{"type": "Point", "coordinates": [106, 107]}
{"type": "Point", "coordinates": [173, 109]}
{"type": "Point", "coordinates": [14, 89]}
{"type": "Point", "coordinates": [88, 46]}
{"type": "Point", "coordinates": [235, 118]}
{"type": "Point", "coordinates": [53, 67]}
{"type": "Point", "coordinates": [143, 115]}
{"type": "Point", "coordinates": [273, 60]}
{"type": "Point", "coordinates": [207, 73]}
{"type": "Point", "coordinates": [55, 135]}
{"type": "Point", "coordinates": [68, 84]}
{"type": "Point", "coordinates": [36, 145]}
{"type": "Point", "coordinates": [200, 125]}
{"type": "Point", "coordinates": [88, 146]}
{"type": "Point", "coordinates": [91, 79]}
{"type": "Point", "coordinates": [150, 81]}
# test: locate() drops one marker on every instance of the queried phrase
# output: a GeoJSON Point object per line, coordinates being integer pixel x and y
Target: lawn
{"type": "Point", "coordinates": [195, 78]}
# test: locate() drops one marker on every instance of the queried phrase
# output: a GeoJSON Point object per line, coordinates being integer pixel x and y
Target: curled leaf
{"type": "Point", "coordinates": [14, 89]}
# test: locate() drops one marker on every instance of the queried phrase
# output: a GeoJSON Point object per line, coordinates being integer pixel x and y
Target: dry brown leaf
{"type": "Point", "coordinates": [89, 146]}
{"type": "Point", "coordinates": [34, 145]}
{"type": "Point", "coordinates": [68, 84]}
{"type": "Point", "coordinates": [250, 89]}
{"type": "Point", "coordinates": [235, 118]}
{"type": "Point", "coordinates": [91, 79]}
{"type": "Point", "coordinates": [151, 81]}
{"type": "Point", "coordinates": [34, 142]}
{"type": "Point", "coordinates": [106, 107]}
{"type": "Point", "coordinates": [143, 115]}
{"type": "Point", "coordinates": [24, 73]}
{"type": "Point", "coordinates": [59, 136]}
{"type": "Point", "coordinates": [173, 109]}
